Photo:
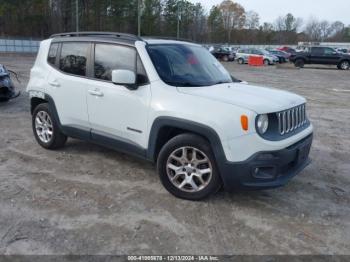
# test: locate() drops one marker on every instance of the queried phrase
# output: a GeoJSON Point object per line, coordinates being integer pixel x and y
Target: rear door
{"type": "Point", "coordinates": [317, 55]}
{"type": "Point", "coordinates": [67, 82]}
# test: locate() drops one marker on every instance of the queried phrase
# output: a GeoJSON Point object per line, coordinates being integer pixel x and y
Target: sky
{"type": "Point", "coordinates": [269, 10]}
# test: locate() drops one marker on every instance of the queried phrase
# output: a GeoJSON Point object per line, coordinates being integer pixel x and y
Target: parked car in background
{"type": "Point", "coordinates": [282, 56]}
{"type": "Point", "coordinates": [243, 55]}
{"type": "Point", "coordinates": [210, 48]}
{"type": "Point", "coordinates": [224, 53]}
{"type": "Point", "coordinates": [7, 88]}
{"type": "Point", "coordinates": [287, 49]}
{"type": "Point", "coordinates": [343, 50]}
{"type": "Point", "coordinates": [321, 56]}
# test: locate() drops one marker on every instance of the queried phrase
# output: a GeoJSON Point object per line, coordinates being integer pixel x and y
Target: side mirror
{"type": "Point", "coordinates": [124, 77]}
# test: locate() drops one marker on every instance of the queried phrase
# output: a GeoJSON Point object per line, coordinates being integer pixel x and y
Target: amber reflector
{"type": "Point", "coordinates": [244, 122]}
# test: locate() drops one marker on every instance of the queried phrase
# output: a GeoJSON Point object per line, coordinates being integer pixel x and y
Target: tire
{"type": "Point", "coordinates": [240, 61]}
{"type": "Point", "coordinates": [46, 131]}
{"type": "Point", "coordinates": [266, 62]}
{"type": "Point", "coordinates": [344, 65]}
{"type": "Point", "coordinates": [225, 58]}
{"type": "Point", "coordinates": [3, 99]}
{"type": "Point", "coordinates": [176, 167]}
{"type": "Point", "coordinates": [299, 63]}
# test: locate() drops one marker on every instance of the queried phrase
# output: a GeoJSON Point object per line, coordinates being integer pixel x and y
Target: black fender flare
{"type": "Point", "coordinates": [207, 132]}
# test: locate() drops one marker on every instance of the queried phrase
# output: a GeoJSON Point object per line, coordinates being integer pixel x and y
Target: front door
{"type": "Point", "coordinates": [115, 111]}
{"type": "Point", "coordinates": [331, 56]}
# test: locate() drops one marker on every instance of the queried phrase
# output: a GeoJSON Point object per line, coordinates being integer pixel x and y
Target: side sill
{"type": "Point", "coordinates": [118, 144]}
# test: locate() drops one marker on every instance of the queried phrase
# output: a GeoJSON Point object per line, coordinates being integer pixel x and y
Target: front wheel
{"type": "Point", "coordinates": [266, 62]}
{"type": "Point", "coordinates": [344, 65]}
{"type": "Point", "coordinates": [240, 61]}
{"type": "Point", "coordinates": [187, 168]}
{"type": "Point", "coordinates": [45, 128]}
{"type": "Point", "coordinates": [225, 58]}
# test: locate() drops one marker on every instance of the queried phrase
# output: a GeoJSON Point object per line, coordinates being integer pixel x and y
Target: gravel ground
{"type": "Point", "coordinates": [85, 199]}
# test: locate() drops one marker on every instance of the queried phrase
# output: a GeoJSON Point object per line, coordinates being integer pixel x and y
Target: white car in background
{"type": "Point", "coordinates": [243, 54]}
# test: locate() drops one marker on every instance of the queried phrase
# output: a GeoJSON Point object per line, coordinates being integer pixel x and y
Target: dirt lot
{"type": "Point", "coordinates": [85, 199]}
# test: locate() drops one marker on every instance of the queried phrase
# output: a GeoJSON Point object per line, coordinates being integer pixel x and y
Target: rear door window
{"type": "Point", "coordinates": [317, 50]}
{"type": "Point", "coordinates": [73, 58]}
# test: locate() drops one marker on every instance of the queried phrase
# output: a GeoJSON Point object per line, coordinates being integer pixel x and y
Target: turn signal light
{"type": "Point", "coordinates": [244, 122]}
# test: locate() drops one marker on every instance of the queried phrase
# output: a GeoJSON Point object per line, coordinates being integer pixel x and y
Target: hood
{"type": "Point", "coordinates": [258, 99]}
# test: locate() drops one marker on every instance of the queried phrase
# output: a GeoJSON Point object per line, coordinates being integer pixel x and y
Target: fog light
{"type": "Point", "coordinates": [264, 172]}
{"type": "Point", "coordinates": [256, 171]}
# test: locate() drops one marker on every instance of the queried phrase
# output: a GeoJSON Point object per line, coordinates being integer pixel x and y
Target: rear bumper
{"type": "Point", "coordinates": [267, 169]}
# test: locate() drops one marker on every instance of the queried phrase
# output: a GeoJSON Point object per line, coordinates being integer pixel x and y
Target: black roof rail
{"type": "Point", "coordinates": [103, 34]}
{"type": "Point", "coordinates": [168, 38]}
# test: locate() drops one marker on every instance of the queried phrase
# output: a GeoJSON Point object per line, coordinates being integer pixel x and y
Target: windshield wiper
{"type": "Point", "coordinates": [221, 82]}
{"type": "Point", "coordinates": [183, 84]}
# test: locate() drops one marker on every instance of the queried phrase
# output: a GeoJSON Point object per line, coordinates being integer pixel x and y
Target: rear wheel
{"type": "Point", "coordinates": [266, 62]}
{"type": "Point", "coordinates": [240, 61]}
{"type": "Point", "coordinates": [187, 168]}
{"type": "Point", "coordinates": [344, 65]}
{"type": "Point", "coordinates": [299, 63]}
{"type": "Point", "coordinates": [45, 128]}
{"type": "Point", "coordinates": [225, 58]}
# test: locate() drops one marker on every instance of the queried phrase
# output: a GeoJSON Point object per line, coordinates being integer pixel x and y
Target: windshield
{"type": "Point", "coordinates": [264, 52]}
{"type": "Point", "coordinates": [187, 65]}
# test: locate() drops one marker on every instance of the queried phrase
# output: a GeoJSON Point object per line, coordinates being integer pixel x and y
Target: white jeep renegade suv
{"type": "Point", "coordinates": [172, 103]}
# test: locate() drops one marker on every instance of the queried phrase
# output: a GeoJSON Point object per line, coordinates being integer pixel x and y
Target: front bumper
{"type": "Point", "coordinates": [267, 169]}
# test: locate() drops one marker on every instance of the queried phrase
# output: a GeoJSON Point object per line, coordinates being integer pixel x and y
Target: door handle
{"type": "Point", "coordinates": [54, 83]}
{"type": "Point", "coordinates": [95, 93]}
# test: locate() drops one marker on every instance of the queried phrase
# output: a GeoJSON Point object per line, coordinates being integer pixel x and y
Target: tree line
{"type": "Point", "coordinates": [227, 22]}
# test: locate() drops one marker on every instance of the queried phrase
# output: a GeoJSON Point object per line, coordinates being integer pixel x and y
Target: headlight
{"type": "Point", "coordinates": [262, 123]}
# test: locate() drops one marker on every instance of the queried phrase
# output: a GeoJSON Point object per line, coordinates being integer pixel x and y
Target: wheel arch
{"type": "Point", "coordinates": [165, 128]}
{"type": "Point", "coordinates": [35, 101]}
{"type": "Point", "coordinates": [300, 58]}
{"type": "Point", "coordinates": [344, 60]}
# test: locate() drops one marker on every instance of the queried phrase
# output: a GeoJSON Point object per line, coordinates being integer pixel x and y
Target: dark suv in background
{"type": "Point", "coordinates": [322, 56]}
{"type": "Point", "coordinates": [224, 53]}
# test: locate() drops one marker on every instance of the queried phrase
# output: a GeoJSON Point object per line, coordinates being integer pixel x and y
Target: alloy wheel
{"type": "Point", "coordinates": [345, 65]}
{"type": "Point", "coordinates": [43, 126]}
{"type": "Point", "coordinates": [189, 169]}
